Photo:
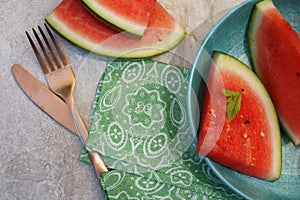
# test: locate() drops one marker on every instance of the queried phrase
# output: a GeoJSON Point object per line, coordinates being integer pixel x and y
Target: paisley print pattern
{"type": "Point", "coordinates": [139, 126]}
{"type": "Point", "coordinates": [141, 117]}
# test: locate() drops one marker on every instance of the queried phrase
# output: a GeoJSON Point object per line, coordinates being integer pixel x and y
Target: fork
{"type": "Point", "coordinates": [61, 80]}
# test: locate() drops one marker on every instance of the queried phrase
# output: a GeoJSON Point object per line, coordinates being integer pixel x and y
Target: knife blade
{"type": "Point", "coordinates": [55, 107]}
{"type": "Point", "coordinates": [42, 96]}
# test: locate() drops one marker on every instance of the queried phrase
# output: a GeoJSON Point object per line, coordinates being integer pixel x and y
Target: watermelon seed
{"type": "Point", "coordinates": [159, 39]}
{"type": "Point", "coordinates": [246, 121]}
{"type": "Point", "coordinates": [213, 113]}
{"type": "Point", "coordinates": [262, 134]}
{"type": "Point", "coordinates": [298, 74]}
{"type": "Point", "coordinates": [245, 135]}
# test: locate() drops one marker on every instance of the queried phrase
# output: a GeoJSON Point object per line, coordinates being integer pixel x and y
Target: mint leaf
{"type": "Point", "coordinates": [234, 101]}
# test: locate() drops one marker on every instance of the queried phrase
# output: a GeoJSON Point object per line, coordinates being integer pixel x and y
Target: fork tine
{"type": "Point", "coordinates": [58, 64]}
{"type": "Point", "coordinates": [38, 55]}
{"type": "Point", "coordinates": [63, 58]}
{"type": "Point", "coordinates": [43, 50]}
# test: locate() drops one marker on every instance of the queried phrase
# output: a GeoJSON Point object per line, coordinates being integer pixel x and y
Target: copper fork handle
{"type": "Point", "coordinates": [97, 161]}
{"type": "Point", "coordinates": [99, 165]}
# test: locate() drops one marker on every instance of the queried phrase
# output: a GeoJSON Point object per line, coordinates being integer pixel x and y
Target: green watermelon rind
{"type": "Point", "coordinates": [256, 15]}
{"type": "Point", "coordinates": [253, 27]}
{"type": "Point", "coordinates": [246, 74]}
{"type": "Point", "coordinates": [110, 17]}
{"type": "Point", "coordinates": [177, 34]}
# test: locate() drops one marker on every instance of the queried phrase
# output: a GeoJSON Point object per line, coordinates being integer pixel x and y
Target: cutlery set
{"type": "Point", "coordinates": [57, 99]}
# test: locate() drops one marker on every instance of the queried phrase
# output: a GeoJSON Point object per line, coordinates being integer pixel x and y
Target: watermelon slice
{"type": "Point", "coordinates": [275, 51]}
{"type": "Point", "coordinates": [73, 21]}
{"type": "Point", "coordinates": [129, 15]}
{"type": "Point", "coordinates": [246, 137]}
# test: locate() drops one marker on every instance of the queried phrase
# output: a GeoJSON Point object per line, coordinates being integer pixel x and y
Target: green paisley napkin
{"type": "Point", "coordinates": [118, 184]}
{"type": "Point", "coordinates": [139, 126]}
{"type": "Point", "coordinates": [140, 115]}
{"type": "Point", "coordinates": [189, 175]}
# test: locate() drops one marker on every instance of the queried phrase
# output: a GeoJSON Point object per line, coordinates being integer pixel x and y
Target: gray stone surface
{"type": "Point", "coordinates": [39, 159]}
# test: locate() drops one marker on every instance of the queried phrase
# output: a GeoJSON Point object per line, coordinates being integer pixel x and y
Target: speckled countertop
{"type": "Point", "coordinates": [39, 158]}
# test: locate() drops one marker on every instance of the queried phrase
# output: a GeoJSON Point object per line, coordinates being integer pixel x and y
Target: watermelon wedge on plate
{"type": "Point", "coordinates": [275, 52]}
{"type": "Point", "coordinates": [129, 15]}
{"type": "Point", "coordinates": [239, 128]}
{"type": "Point", "coordinates": [230, 36]}
{"type": "Point", "coordinates": [77, 24]}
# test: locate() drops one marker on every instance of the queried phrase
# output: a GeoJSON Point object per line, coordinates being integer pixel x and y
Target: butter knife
{"type": "Point", "coordinates": [53, 106]}
{"type": "Point", "coordinates": [43, 97]}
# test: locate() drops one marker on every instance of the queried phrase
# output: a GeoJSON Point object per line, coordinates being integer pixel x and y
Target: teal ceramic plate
{"type": "Point", "coordinates": [230, 36]}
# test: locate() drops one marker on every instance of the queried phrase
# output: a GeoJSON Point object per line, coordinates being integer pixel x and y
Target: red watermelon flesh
{"type": "Point", "coordinates": [73, 21]}
{"type": "Point", "coordinates": [129, 15]}
{"type": "Point", "coordinates": [275, 51]}
{"type": "Point", "coordinates": [250, 142]}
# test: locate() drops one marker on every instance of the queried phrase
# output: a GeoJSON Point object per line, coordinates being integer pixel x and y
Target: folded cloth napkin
{"type": "Point", "coordinates": [140, 128]}
{"type": "Point", "coordinates": [140, 115]}
{"type": "Point", "coordinates": [189, 178]}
